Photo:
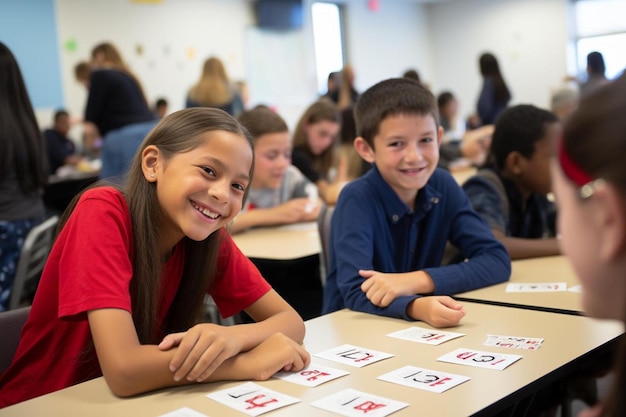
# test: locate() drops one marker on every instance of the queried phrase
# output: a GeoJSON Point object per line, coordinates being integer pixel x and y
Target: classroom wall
{"type": "Point", "coordinates": [165, 44]}
{"type": "Point", "coordinates": [529, 38]}
{"type": "Point", "coordinates": [384, 43]}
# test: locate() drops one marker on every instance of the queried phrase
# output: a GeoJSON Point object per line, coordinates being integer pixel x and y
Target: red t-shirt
{"type": "Point", "coordinates": [90, 267]}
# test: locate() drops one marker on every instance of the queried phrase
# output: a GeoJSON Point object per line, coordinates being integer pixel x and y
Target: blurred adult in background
{"type": "Point", "coordinates": [595, 73]}
{"type": "Point", "coordinates": [61, 149]}
{"type": "Point", "coordinates": [332, 84]}
{"type": "Point", "coordinates": [214, 89]}
{"type": "Point", "coordinates": [117, 109]}
{"type": "Point", "coordinates": [160, 108]}
{"type": "Point", "coordinates": [564, 101]}
{"type": "Point", "coordinates": [23, 170]}
{"type": "Point", "coordinates": [494, 95]}
{"type": "Point", "coordinates": [116, 98]}
{"type": "Point", "coordinates": [346, 95]}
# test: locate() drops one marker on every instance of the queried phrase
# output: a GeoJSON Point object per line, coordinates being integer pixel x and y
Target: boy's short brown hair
{"type": "Point", "coordinates": [389, 98]}
{"type": "Point", "coordinates": [261, 120]}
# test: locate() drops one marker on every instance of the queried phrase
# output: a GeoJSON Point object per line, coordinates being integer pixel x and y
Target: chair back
{"type": "Point", "coordinates": [11, 323]}
{"type": "Point", "coordinates": [323, 227]}
{"type": "Point", "coordinates": [32, 259]}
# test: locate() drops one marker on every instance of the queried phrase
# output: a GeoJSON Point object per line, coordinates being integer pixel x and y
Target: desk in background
{"type": "Point", "coordinates": [536, 270]}
{"type": "Point", "coordinates": [568, 341]}
{"type": "Point", "coordinates": [288, 258]}
{"type": "Point", "coordinates": [60, 190]}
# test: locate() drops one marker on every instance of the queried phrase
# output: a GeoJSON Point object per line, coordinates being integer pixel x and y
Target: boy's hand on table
{"type": "Point", "coordinates": [438, 311]}
{"type": "Point", "coordinates": [381, 289]}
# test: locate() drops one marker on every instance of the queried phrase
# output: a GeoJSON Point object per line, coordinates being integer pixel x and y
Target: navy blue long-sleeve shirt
{"type": "Point", "coordinates": [373, 229]}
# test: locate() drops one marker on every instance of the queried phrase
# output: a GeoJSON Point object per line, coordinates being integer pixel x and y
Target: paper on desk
{"type": "Point", "coordinates": [515, 342]}
{"type": "Point", "coordinates": [353, 355]}
{"type": "Point", "coordinates": [424, 379]}
{"type": "Point", "coordinates": [252, 399]}
{"type": "Point", "coordinates": [184, 412]}
{"type": "Point", "coordinates": [311, 376]}
{"type": "Point", "coordinates": [353, 403]}
{"type": "Point", "coordinates": [575, 288]}
{"type": "Point", "coordinates": [428, 336]}
{"type": "Point", "coordinates": [537, 287]}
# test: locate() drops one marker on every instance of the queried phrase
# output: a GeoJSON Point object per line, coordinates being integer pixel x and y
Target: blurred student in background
{"type": "Point", "coordinates": [23, 170]}
{"type": "Point", "coordinates": [214, 89]}
{"type": "Point", "coordinates": [510, 193]}
{"type": "Point", "coordinates": [279, 193]}
{"type": "Point", "coordinates": [315, 144]}
{"type": "Point", "coordinates": [61, 149]}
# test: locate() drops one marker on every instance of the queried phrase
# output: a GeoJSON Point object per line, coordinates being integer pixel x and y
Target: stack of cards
{"type": "Point", "coordinates": [537, 287]}
{"type": "Point", "coordinates": [528, 343]}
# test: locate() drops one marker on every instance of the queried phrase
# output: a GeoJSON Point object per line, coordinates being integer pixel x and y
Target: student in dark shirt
{"type": "Point", "coordinates": [510, 192]}
{"type": "Point", "coordinates": [61, 149]}
{"type": "Point", "coordinates": [390, 227]}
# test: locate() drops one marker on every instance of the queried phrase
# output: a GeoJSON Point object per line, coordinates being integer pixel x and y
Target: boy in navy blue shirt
{"type": "Point", "coordinates": [510, 192]}
{"type": "Point", "coordinates": [390, 227]}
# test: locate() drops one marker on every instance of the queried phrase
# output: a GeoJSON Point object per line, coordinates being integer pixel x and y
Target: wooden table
{"type": "Point", "coordinates": [280, 243]}
{"type": "Point", "coordinates": [536, 270]}
{"type": "Point", "coordinates": [568, 340]}
{"type": "Point", "coordinates": [288, 257]}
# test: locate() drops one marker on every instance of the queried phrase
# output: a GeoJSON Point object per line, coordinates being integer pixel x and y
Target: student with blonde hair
{"type": "Point", "coordinates": [214, 89]}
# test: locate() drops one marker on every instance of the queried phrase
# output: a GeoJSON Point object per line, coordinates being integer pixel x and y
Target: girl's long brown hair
{"type": "Point", "coordinates": [594, 138]}
{"type": "Point", "coordinates": [178, 132]}
{"type": "Point", "coordinates": [321, 110]}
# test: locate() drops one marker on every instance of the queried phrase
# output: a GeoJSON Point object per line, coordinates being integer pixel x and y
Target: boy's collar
{"type": "Point", "coordinates": [394, 207]}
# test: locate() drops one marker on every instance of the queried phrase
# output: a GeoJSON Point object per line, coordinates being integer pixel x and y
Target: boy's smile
{"type": "Point", "coordinates": [406, 152]}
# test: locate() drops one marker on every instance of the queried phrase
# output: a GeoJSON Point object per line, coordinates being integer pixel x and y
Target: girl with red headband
{"type": "Point", "coordinates": [589, 176]}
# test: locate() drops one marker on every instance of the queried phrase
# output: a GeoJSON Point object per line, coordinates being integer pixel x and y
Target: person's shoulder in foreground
{"type": "Point", "coordinates": [391, 227]}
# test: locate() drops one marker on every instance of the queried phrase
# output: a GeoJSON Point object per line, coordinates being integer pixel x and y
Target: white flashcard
{"type": "Point", "coordinates": [424, 379]}
{"type": "Point", "coordinates": [353, 355]}
{"type": "Point", "coordinates": [183, 412]}
{"type": "Point", "coordinates": [353, 403]}
{"type": "Point", "coordinates": [537, 287]}
{"type": "Point", "coordinates": [428, 336]}
{"type": "Point", "coordinates": [515, 342]}
{"type": "Point", "coordinates": [575, 288]}
{"type": "Point", "coordinates": [479, 359]}
{"type": "Point", "coordinates": [311, 376]}
{"type": "Point", "coordinates": [252, 399]}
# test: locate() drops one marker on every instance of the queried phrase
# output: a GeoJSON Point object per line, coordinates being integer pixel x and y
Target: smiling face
{"type": "Point", "coordinates": [272, 157]}
{"type": "Point", "coordinates": [321, 135]}
{"type": "Point", "coordinates": [406, 152]}
{"type": "Point", "coordinates": [201, 190]}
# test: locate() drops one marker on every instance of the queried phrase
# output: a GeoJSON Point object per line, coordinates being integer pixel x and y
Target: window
{"type": "Point", "coordinates": [328, 39]}
{"type": "Point", "coordinates": [600, 26]}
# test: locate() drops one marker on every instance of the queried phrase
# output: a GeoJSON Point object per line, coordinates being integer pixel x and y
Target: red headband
{"type": "Point", "coordinates": [570, 168]}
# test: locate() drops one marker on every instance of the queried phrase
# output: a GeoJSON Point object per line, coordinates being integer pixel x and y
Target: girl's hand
{"type": "Point", "coordinates": [276, 353]}
{"type": "Point", "coordinates": [201, 350]}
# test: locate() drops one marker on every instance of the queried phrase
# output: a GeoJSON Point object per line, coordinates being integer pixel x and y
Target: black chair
{"type": "Point", "coordinates": [11, 323]}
